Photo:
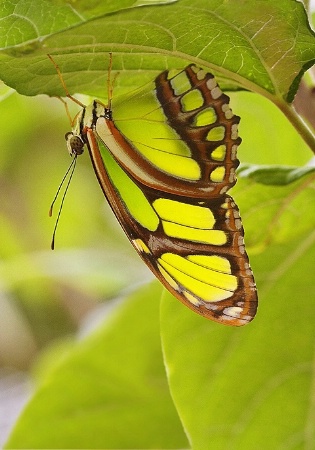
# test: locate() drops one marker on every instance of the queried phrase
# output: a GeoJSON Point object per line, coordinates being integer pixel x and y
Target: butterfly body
{"type": "Point", "coordinates": [165, 158]}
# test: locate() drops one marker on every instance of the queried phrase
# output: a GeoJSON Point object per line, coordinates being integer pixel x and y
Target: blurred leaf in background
{"type": "Point", "coordinates": [222, 387]}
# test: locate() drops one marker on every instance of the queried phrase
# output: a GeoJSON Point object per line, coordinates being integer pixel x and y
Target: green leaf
{"type": "Point", "coordinates": [284, 212]}
{"type": "Point", "coordinates": [268, 137]}
{"type": "Point", "coordinates": [264, 45]}
{"type": "Point", "coordinates": [25, 23]}
{"type": "Point", "coordinates": [274, 175]}
{"type": "Point", "coordinates": [250, 387]}
{"type": "Point", "coordinates": [110, 391]}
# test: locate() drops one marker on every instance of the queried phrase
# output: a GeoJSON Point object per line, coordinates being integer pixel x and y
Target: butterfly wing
{"type": "Point", "coordinates": [165, 163]}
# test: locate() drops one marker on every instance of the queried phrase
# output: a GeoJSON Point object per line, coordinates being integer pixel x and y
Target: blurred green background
{"type": "Point", "coordinates": [45, 295]}
{"type": "Point", "coordinates": [86, 264]}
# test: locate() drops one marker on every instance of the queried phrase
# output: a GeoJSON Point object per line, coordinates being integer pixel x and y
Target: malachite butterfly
{"type": "Point", "coordinates": [165, 156]}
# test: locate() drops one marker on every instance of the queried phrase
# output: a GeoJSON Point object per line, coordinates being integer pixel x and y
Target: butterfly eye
{"type": "Point", "coordinates": [74, 143]}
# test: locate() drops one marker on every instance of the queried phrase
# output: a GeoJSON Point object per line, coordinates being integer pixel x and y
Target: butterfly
{"type": "Point", "coordinates": [165, 157]}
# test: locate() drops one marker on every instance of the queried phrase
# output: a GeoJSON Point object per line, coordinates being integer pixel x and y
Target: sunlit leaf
{"type": "Point", "coordinates": [249, 387]}
{"type": "Point", "coordinates": [285, 212]}
{"type": "Point", "coordinates": [274, 175]}
{"type": "Point", "coordinates": [264, 48]}
{"type": "Point", "coordinates": [110, 391]}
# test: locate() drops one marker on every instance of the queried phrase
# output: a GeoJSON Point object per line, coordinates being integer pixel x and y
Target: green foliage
{"type": "Point", "coordinates": [233, 37]}
{"type": "Point", "coordinates": [251, 387]}
{"type": "Point", "coordinates": [223, 387]}
{"type": "Point", "coordinates": [129, 407]}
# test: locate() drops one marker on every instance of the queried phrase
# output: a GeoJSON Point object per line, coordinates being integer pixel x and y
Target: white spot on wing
{"type": "Point", "coordinates": [227, 111]}
{"type": "Point", "coordinates": [233, 312]}
{"type": "Point", "coordinates": [211, 84]}
{"type": "Point", "coordinates": [236, 214]}
{"type": "Point", "coordinates": [233, 152]}
{"type": "Point", "coordinates": [201, 74]}
{"type": "Point", "coordinates": [232, 176]}
{"type": "Point", "coordinates": [234, 131]}
{"type": "Point", "coordinates": [238, 224]}
{"type": "Point", "coordinates": [216, 92]}
{"type": "Point", "coordinates": [224, 189]}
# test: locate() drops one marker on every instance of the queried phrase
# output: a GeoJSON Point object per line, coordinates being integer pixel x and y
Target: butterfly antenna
{"type": "Point", "coordinates": [71, 169]}
{"type": "Point", "coordinates": [60, 186]}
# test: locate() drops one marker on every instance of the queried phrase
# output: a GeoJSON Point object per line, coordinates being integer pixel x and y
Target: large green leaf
{"type": "Point", "coordinates": [263, 45]}
{"type": "Point", "coordinates": [25, 23]}
{"type": "Point", "coordinates": [110, 391]}
{"type": "Point", "coordinates": [268, 137]}
{"type": "Point", "coordinates": [284, 212]}
{"type": "Point", "coordinates": [274, 175]}
{"type": "Point", "coordinates": [252, 387]}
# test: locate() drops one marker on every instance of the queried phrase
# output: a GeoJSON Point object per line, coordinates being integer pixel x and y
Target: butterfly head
{"type": "Point", "coordinates": [75, 144]}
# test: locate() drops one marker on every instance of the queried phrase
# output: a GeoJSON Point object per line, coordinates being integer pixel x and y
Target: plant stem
{"type": "Point", "coordinates": [299, 124]}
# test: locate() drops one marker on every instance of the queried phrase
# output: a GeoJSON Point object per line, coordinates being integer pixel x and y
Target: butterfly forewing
{"type": "Point", "coordinates": [165, 158]}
